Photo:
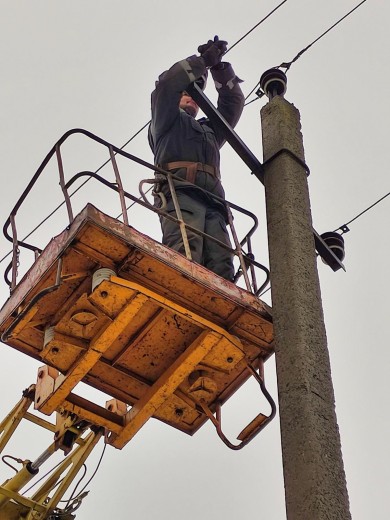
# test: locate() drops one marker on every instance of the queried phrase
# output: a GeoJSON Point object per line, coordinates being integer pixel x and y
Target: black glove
{"type": "Point", "coordinates": [212, 51]}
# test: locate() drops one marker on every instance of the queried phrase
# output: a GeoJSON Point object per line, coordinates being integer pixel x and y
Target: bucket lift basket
{"type": "Point", "coordinates": [156, 331]}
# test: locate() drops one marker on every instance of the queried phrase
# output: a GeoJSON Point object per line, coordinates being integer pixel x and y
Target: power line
{"type": "Point", "coordinates": [255, 26]}
{"type": "Point", "coordinates": [75, 191]}
{"type": "Point", "coordinates": [344, 228]}
{"type": "Point", "coordinates": [131, 138]}
{"type": "Point", "coordinates": [287, 65]}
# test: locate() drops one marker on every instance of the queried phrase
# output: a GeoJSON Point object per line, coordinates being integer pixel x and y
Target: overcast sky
{"type": "Point", "coordinates": [92, 64]}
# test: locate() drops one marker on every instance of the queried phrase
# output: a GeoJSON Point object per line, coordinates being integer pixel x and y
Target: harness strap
{"type": "Point", "coordinates": [192, 168]}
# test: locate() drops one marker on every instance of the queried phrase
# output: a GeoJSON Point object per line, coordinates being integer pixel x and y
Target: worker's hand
{"type": "Point", "coordinates": [212, 51]}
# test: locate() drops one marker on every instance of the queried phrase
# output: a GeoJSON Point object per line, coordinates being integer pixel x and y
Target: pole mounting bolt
{"type": "Point", "coordinates": [273, 82]}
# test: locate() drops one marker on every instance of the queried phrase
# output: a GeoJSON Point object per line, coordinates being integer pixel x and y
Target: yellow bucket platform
{"type": "Point", "coordinates": [109, 306]}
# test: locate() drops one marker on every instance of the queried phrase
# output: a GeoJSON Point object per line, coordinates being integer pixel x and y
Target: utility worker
{"type": "Point", "coordinates": [189, 148]}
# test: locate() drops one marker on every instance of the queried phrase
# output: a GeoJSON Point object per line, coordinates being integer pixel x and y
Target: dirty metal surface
{"type": "Point", "coordinates": [161, 334]}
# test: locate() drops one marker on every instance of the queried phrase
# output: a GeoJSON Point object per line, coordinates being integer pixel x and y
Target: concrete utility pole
{"type": "Point", "coordinates": [315, 485]}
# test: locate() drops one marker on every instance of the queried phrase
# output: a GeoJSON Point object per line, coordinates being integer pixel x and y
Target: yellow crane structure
{"type": "Point", "coordinates": [109, 306]}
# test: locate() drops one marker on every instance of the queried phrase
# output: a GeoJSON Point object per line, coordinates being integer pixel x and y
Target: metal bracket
{"type": "Point", "coordinates": [292, 155]}
{"type": "Point", "coordinates": [232, 138]}
{"type": "Point", "coordinates": [253, 163]}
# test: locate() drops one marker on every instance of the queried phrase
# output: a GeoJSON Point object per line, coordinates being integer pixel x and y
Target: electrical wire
{"type": "Point", "coordinates": [131, 138]}
{"type": "Point", "coordinates": [43, 477]}
{"type": "Point", "coordinates": [287, 65]}
{"type": "Point", "coordinates": [255, 26]}
{"type": "Point", "coordinates": [76, 486]}
{"type": "Point", "coordinates": [71, 498]}
{"type": "Point", "coordinates": [75, 191]}
{"type": "Point", "coordinates": [344, 228]}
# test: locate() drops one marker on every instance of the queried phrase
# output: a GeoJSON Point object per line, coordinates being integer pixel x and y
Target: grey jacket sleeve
{"type": "Point", "coordinates": [169, 87]}
{"type": "Point", "coordinates": [230, 97]}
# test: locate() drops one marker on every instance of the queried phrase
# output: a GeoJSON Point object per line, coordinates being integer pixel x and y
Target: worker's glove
{"type": "Point", "coordinates": [212, 51]}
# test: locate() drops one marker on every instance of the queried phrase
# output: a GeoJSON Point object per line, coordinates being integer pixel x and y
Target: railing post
{"type": "Point", "coordinates": [62, 184]}
{"type": "Point", "coordinates": [120, 186]}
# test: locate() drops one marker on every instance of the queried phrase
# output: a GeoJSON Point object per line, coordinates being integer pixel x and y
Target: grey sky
{"type": "Point", "coordinates": [92, 64]}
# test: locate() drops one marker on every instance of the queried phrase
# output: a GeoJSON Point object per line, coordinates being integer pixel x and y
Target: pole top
{"type": "Point", "coordinates": [273, 82]}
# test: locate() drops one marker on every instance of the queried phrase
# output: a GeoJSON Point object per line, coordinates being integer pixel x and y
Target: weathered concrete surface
{"type": "Point", "coordinates": [314, 476]}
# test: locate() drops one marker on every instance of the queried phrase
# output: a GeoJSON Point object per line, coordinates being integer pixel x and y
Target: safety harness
{"type": "Point", "coordinates": [192, 168]}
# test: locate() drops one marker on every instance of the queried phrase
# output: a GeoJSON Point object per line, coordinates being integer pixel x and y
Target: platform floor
{"type": "Point", "coordinates": [160, 334]}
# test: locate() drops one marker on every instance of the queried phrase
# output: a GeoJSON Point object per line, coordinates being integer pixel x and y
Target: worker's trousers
{"type": "Point", "coordinates": [209, 219]}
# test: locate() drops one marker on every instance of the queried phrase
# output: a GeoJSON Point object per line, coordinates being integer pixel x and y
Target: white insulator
{"type": "Point", "coordinates": [48, 335]}
{"type": "Point", "coordinates": [101, 274]}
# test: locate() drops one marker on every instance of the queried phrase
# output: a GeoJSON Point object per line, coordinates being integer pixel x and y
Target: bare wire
{"type": "Point", "coordinates": [284, 65]}
{"type": "Point", "coordinates": [288, 64]}
{"type": "Point", "coordinates": [255, 26]}
{"type": "Point", "coordinates": [75, 191]}
{"type": "Point", "coordinates": [131, 138]}
{"type": "Point", "coordinates": [344, 227]}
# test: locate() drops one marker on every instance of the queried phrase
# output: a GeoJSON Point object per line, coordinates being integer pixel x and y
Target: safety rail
{"type": "Point", "coordinates": [247, 262]}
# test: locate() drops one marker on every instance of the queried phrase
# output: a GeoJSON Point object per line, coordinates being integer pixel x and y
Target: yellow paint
{"type": "Point", "coordinates": [178, 309]}
{"type": "Point", "coordinates": [164, 387]}
{"type": "Point", "coordinates": [97, 347]}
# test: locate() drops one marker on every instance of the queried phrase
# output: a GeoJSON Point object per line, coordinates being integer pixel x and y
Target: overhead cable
{"type": "Point", "coordinates": [344, 228]}
{"type": "Point", "coordinates": [287, 65]}
{"type": "Point", "coordinates": [75, 191]}
{"type": "Point", "coordinates": [255, 26]}
{"type": "Point", "coordinates": [131, 138]}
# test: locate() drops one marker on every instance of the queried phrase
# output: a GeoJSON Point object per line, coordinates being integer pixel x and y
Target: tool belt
{"type": "Point", "coordinates": [192, 168]}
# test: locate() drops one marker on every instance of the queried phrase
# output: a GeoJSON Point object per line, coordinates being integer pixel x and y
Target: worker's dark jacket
{"type": "Point", "coordinates": [176, 136]}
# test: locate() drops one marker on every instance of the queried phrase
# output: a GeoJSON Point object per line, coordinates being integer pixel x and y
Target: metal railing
{"type": "Point", "coordinates": [242, 248]}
